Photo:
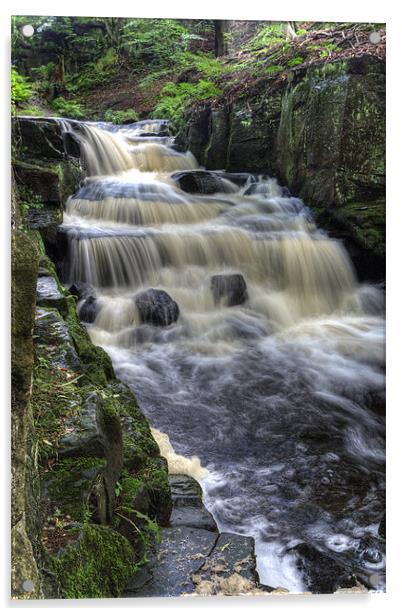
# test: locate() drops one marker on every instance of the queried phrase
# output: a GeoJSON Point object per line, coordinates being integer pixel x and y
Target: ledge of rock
{"type": "Point", "coordinates": [193, 557]}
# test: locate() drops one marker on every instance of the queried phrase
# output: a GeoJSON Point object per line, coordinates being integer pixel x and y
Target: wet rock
{"type": "Point", "coordinates": [81, 290]}
{"type": "Point", "coordinates": [188, 508]}
{"type": "Point", "coordinates": [156, 307]}
{"type": "Point", "coordinates": [49, 296]}
{"type": "Point", "coordinates": [181, 553]}
{"type": "Point", "coordinates": [44, 217]}
{"type": "Point", "coordinates": [321, 574]}
{"type": "Point", "coordinates": [231, 554]}
{"type": "Point", "coordinates": [54, 341]}
{"type": "Point", "coordinates": [83, 436]}
{"type": "Point", "coordinates": [201, 182]}
{"type": "Point", "coordinates": [41, 137]}
{"type": "Point", "coordinates": [89, 310]}
{"type": "Point", "coordinates": [71, 144]}
{"type": "Point", "coordinates": [231, 288]}
{"type": "Point", "coordinates": [37, 181]}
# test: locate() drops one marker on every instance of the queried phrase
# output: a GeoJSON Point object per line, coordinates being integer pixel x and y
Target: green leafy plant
{"type": "Point", "coordinates": [176, 96]}
{"type": "Point", "coordinates": [295, 61]}
{"type": "Point", "coordinates": [21, 89]}
{"type": "Point", "coordinates": [121, 117]}
{"type": "Point", "coordinates": [68, 108]}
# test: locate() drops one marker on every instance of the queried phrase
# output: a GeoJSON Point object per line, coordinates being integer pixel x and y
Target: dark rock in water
{"type": "Point", "coordinates": [201, 182]}
{"type": "Point", "coordinates": [372, 555]}
{"type": "Point", "coordinates": [320, 573]}
{"type": "Point", "coordinates": [89, 310]}
{"type": "Point", "coordinates": [81, 289]}
{"type": "Point", "coordinates": [188, 508]}
{"type": "Point", "coordinates": [231, 287]}
{"type": "Point", "coordinates": [157, 307]}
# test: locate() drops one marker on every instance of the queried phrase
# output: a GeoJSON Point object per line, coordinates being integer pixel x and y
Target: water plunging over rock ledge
{"type": "Point", "coordinates": [266, 361]}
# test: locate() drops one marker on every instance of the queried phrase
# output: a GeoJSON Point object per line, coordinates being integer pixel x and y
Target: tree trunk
{"type": "Point", "coordinates": [220, 47]}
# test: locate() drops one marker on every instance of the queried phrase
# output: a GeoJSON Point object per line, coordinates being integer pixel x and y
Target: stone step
{"type": "Point", "coordinates": [49, 296]}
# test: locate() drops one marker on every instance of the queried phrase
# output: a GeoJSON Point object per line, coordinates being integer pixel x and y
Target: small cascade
{"type": "Point", "coordinates": [271, 376]}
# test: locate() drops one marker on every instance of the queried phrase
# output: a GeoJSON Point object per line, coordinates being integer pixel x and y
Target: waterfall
{"type": "Point", "coordinates": [273, 393]}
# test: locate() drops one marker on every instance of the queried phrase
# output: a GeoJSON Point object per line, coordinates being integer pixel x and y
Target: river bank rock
{"type": "Point", "coordinates": [187, 506]}
{"type": "Point", "coordinates": [156, 307]}
{"type": "Point", "coordinates": [231, 288]}
{"type": "Point", "coordinates": [193, 557]}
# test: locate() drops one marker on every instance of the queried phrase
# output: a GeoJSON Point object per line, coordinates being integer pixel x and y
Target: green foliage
{"type": "Point", "coordinates": [275, 68]}
{"type": "Point", "coordinates": [121, 117]}
{"type": "Point", "coordinates": [176, 96]}
{"type": "Point", "coordinates": [21, 89]}
{"type": "Point", "coordinates": [98, 564]}
{"type": "Point", "coordinates": [32, 110]}
{"type": "Point", "coordinates": [295, 61]}
{"type": "Point", "coordinates": [268, 36]}
{"type": "Point", "coordinates": [154, 42]}
{"type": "Point", "coordinates": [68, 108]}
{"type": "Point", "coordinates": [207, 65]}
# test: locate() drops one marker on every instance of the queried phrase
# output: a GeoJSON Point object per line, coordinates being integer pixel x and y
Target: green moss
{"type": "Point", "coordinates": [70, 484]}
{"type": "Point", "coordinates": [155, 477]}
{"type": "Point", "coordinates": [98, 564]}
{"type": "Point", "coordinates": [97, 364]}
{"type": "Point", "coordinates": [367, 223]}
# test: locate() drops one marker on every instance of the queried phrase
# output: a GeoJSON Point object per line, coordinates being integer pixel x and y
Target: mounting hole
{"type": "Point", "coordinates": [28, 585]}
{"type": "Point", "coordinates": [28, 30]}
{"type": "Point", "coordinates": [375, 38]}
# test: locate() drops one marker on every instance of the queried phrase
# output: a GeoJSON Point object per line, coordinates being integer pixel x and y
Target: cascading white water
{"type": "Point", "coordinates": [274, 395]}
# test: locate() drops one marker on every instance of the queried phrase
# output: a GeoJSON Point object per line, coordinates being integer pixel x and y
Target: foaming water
{"type": "Point", "coordinates": [274, 404]}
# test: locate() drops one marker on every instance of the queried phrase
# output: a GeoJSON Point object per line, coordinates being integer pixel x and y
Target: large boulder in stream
{"type": "Point", "coordinates": [156, 307]}
{"type": "Point", "coordinates": [201, 182]}
{"type": "Point", "coordinates": [321, 573]}
{"type": "Point", "coordinates": [229, 288]}
{"type": "Point", "coordinates": [89, 309]}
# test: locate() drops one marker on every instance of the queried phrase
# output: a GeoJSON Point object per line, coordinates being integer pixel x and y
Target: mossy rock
{"type": "Point", "coordinates": [75, 488]}
{"type": "Point", "coordinates": [96, 565]}
{"type": "Point", "coordinates": [96, 362]}
{"type": "Point", "coordinates": [42, 182]}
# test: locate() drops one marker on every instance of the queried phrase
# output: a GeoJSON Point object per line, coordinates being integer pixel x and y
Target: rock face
{"type": "Point", "coordinates": [156, 307]}
{"type": "Point", "coordinates": [46, 169]}
{"type": "Point", "coordinates": [24, 468]}
{"type": "Point", "coordinates": [322, 133]}
{"type": "Point", "coordinates": [231, 288]}
{"type": "Point", "coordinates": [201, 182]}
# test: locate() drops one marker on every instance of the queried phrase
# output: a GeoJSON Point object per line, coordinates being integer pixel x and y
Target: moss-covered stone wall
{"type": "Point", "coordinates": [321, 131]}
